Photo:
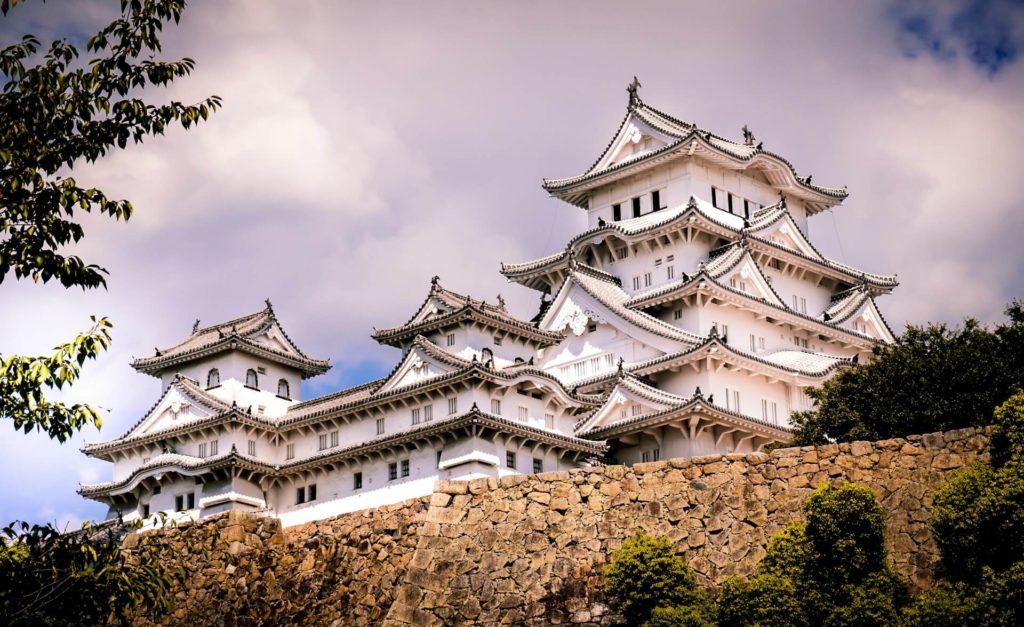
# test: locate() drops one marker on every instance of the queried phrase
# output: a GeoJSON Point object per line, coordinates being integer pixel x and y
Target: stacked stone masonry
{"type": "Point", "coordinates": [530, 549]}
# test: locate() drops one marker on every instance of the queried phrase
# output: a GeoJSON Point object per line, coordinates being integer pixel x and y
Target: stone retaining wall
{"type": "Point", "coordinates": [530, 549]}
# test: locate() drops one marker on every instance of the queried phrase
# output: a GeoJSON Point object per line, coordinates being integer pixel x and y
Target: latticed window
{"type": "Point", "coordinates": [213, 378]}
{"type": "Point", "coordinates": [251, 379]}
{"type": "Point", "coordinates": [283, 390]}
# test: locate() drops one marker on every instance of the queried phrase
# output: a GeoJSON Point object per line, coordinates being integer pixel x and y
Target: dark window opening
{"type": "Point", "coordinates": [405, 467]}
{"type": "Point", "coordinates": [392, 471]}
{"type": "Point", "coordinates": [616, 212]}
{"type": "Point", "coordinates": [357, 481]}
{"type": "Point", "coordinates": [311, 492]}
{"type": "Point", "coordinates": [714, 197]}
{"type": "Point", "coordinates": [636, 207]}
{"type": "Point", "coordinates": [300, 496]}
{"type": "Point", "coordinates": [730, 204]}
{"type": "Point", "coordinates": [656, 201]}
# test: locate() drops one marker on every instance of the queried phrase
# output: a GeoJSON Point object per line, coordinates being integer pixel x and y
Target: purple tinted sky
{"type": "Point", "coordinates": [364, 147]}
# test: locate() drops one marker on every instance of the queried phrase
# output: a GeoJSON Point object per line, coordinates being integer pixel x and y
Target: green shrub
{"type": "Point", "coordinates": [688, 616]}
{"type": "Point", "coordinates": [646, 574]}
{"type": "Point", "coordinates": [845, 529]}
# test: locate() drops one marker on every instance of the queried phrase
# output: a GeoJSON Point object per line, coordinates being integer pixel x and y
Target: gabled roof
{"type": "Point", "coordinates": [628, 389]}
{"type": "Point", "coordinates": [676, 139]}
{"type": "Point", "coordinates": [759, 231]}
{"type": "Point", "coordinates": [369, 395]}
{"type": "Point", "coordinates": [444, 308]}
{"type": "Point", "coordinates": [854, 303]}
{"type": "Point", "coordinates": [216, 412]}
{"type": "Point", "coordinates": [258, 333]}
{"type": "Point", "coordinates": [605, 289]}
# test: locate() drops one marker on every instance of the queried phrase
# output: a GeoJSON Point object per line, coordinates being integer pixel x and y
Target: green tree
{"type": "Point", "coordinates": [80, 578]}
{"type": "Point", "coordinates": [934, 378]}
{"type": "Point", "coordinates": [830, 570]}
{"type": "Point", "coordinates": [646, 574]}
{"type": "Point", "coordinates": [55, 112]}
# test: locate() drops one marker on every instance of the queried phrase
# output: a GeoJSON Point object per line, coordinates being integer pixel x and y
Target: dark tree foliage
{"type": "Point", "coordinates": [830, 570]}
{"type": "Point", "coordinates": [978, 524]}
{"type": "Point", "coordinates": [79, 578]}
{"type": "Point", "coordinates": [646, 574]}
{"type": "Point", "coordinates": [934, 378]}
{"type": "Point", "coordinates": [56, 111]}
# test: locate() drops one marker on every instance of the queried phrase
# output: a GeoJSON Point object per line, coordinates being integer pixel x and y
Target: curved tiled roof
{"type": "Point", "coordinates": [683, 134]}
{"type": "Point", "coordinates": [695, 208]}
{"type": "Point", "coordinates": [614, 298]}
{"type": "Point", "coordinates": [175, 462]}
{"type": "Point", "coordinates": [367, 397]}
{"type": "Point", "coordinates": [459, 308]}
{"type": "Point", "coordinates": [237, 333]}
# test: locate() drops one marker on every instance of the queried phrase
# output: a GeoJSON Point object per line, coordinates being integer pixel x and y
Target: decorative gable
{"type": "Point", "coordinates": [868, 321]}
{"type": "Point", "coordinates": [174, 409]}
{"type": "Point", "coordinates": [417, 366]}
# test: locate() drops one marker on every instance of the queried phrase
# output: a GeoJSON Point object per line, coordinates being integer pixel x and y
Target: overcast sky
{"type": "Point", "coordinates": [364, 147]}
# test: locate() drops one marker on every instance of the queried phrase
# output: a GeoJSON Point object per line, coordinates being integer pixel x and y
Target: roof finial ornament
{"type": "Point", "coordinates": [782, 199]}
{"type": "Point", "coordinates": [501, 301]}
{"type": "Point", "coordinates": [692, 203]}
{"type": "Point", "coordinates": [571, 255]}
{"type": "Point", "coordinates": [434, 280]}
{"type": "Point", "coordinates": [760, 145]}
{"type": "Point", "coordinates": [714, 331]}
{"type": "Point", "coordinates": [621, 360]}
{"type": "Point", "coordinates": [195, 326]}
{"type": "Point", "coordinates": [748, 137]}
{"type": "Point", "coordinates": [697, 393]}
{"type": "Point", "coordinates": [634, 98]}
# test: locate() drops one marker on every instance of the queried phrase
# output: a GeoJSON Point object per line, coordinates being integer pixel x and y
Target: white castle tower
{"type": "Point", "coordinates": [688, 319]}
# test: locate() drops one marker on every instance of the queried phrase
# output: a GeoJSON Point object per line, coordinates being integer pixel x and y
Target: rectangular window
{"type": "Point", "coordinates": [213, 448]}
{"type": "Point", "coordinates": [524, 414]}
{"type": "Point", "coordinates": [392, 471]}
{"type": "Point", "coordinates": [775, 412]}
{"type": "Point", "coordinates": [496, 407]}
{"type": "Point", "coordinates": [670, 272]}
{"type": "Point", "coordinates": [538, 466]}
{"type": "Point", "coordinates": [623, 252]}
{"type": "Point", "coordinates": [357, 481]}
{"type": "Point", "coordinates": [656, 200]}
{"type": "Point", "coordinates": [730, 204]}
{"type": "Point", "coordinates": [760, 342]}
{"type": "Point", "coordinates": [714, 197]}
{"type": "Point", "coordinates": [657, 263]}
{"type": "Point", "coordinates": [311, 492]}
{"type": "Point", "coordinates": [753, 343]}
{"type": "Point", "coordinates": [549, 421]}
{"type": "Point", "coordinates": [497, 340]}
{"type": "Point", "coordinates": [380, 426]}
{"type": "Point", "coordinates": [803, 305]}
{"type": "Point", "coordinates": [636, 282]}
{"type": "Point", "coordinates": [453, 405]}
{"type": "Point", "coordinates": [416, 415]}
{"type": "Point", "coordinates": [202, 450]}
{"type": "Point", "coordinates": [156, 489]}
{"type": "Point", "coordinates": [764, 409]}
{"type": "Point", "coordinates": [334, 439]}
{"type": "Point", "coordinates": [616, 212]}
{"type": "Point", "coordinates": [637, 410]}
{"type": "Point", "coordinates": [636, 207]}
{"type": "Point", "coordinates": [794, 302]}
{"type": "Point", "coordinates": [428, 413]}
{"type": "Point", "coordinates": [289, 451]}
{"type": "Point", "coordinates": [510, 459]}
{"type": "Point", "coordinates": [725, 333]}
{"type": "Point", "coordinates": [736, 400]}
{"type": "Point", "coordinates": [732, 282]}
{"type": "Point", "coordinates": [647, 279]}
{"type": "Point", "coordinates": [451, 339]}
{"type": "Point", "coordinates": [323, 441]}
{"type": "Point", "coordinates": [746, 208]}
{"type": "Point", "coordinates": [652, 455]}
{"type": "Point", "coordinates": [252, 447]}
{"type": "Point", "coordinates": [300, 495]}
{"type": "Point", "coordinates": [190, 500]}
{"type": "Point", "coordinates": [677, 314]}
{"type": "Point", "coordinates": [179, 503]}
{"type": "Point", "coordinates": [145, 510]}
{"type": "Point", "coordinates": [405, 467]}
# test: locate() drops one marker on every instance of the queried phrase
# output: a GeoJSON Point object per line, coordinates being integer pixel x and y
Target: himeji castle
{"type": "Point", "coordinates": [689, 318]}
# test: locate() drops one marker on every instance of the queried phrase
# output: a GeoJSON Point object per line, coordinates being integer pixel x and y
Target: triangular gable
{"type": "Point", "coordinates": [787, 234]}
{"type": "Point", "coordinates": [417, 366]}
{"type": "Point", "coordinates": [635, 138]}
{"type": "Point", "coordinates": [746, 276]}
{"type": "Point", "coordinates": [574, 307]}
{"type": "Point", "coordinates": [175, 408]}
{"type": "Point", "coordinates": [275, 337]}
{"type": "Point", "coordinates": [868, 320]}
{"type": "Point", "coordinates": [629, 399]}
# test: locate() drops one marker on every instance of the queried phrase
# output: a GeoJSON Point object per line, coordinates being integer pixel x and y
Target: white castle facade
{"type": "Point", "coordinates": [688, 319]}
